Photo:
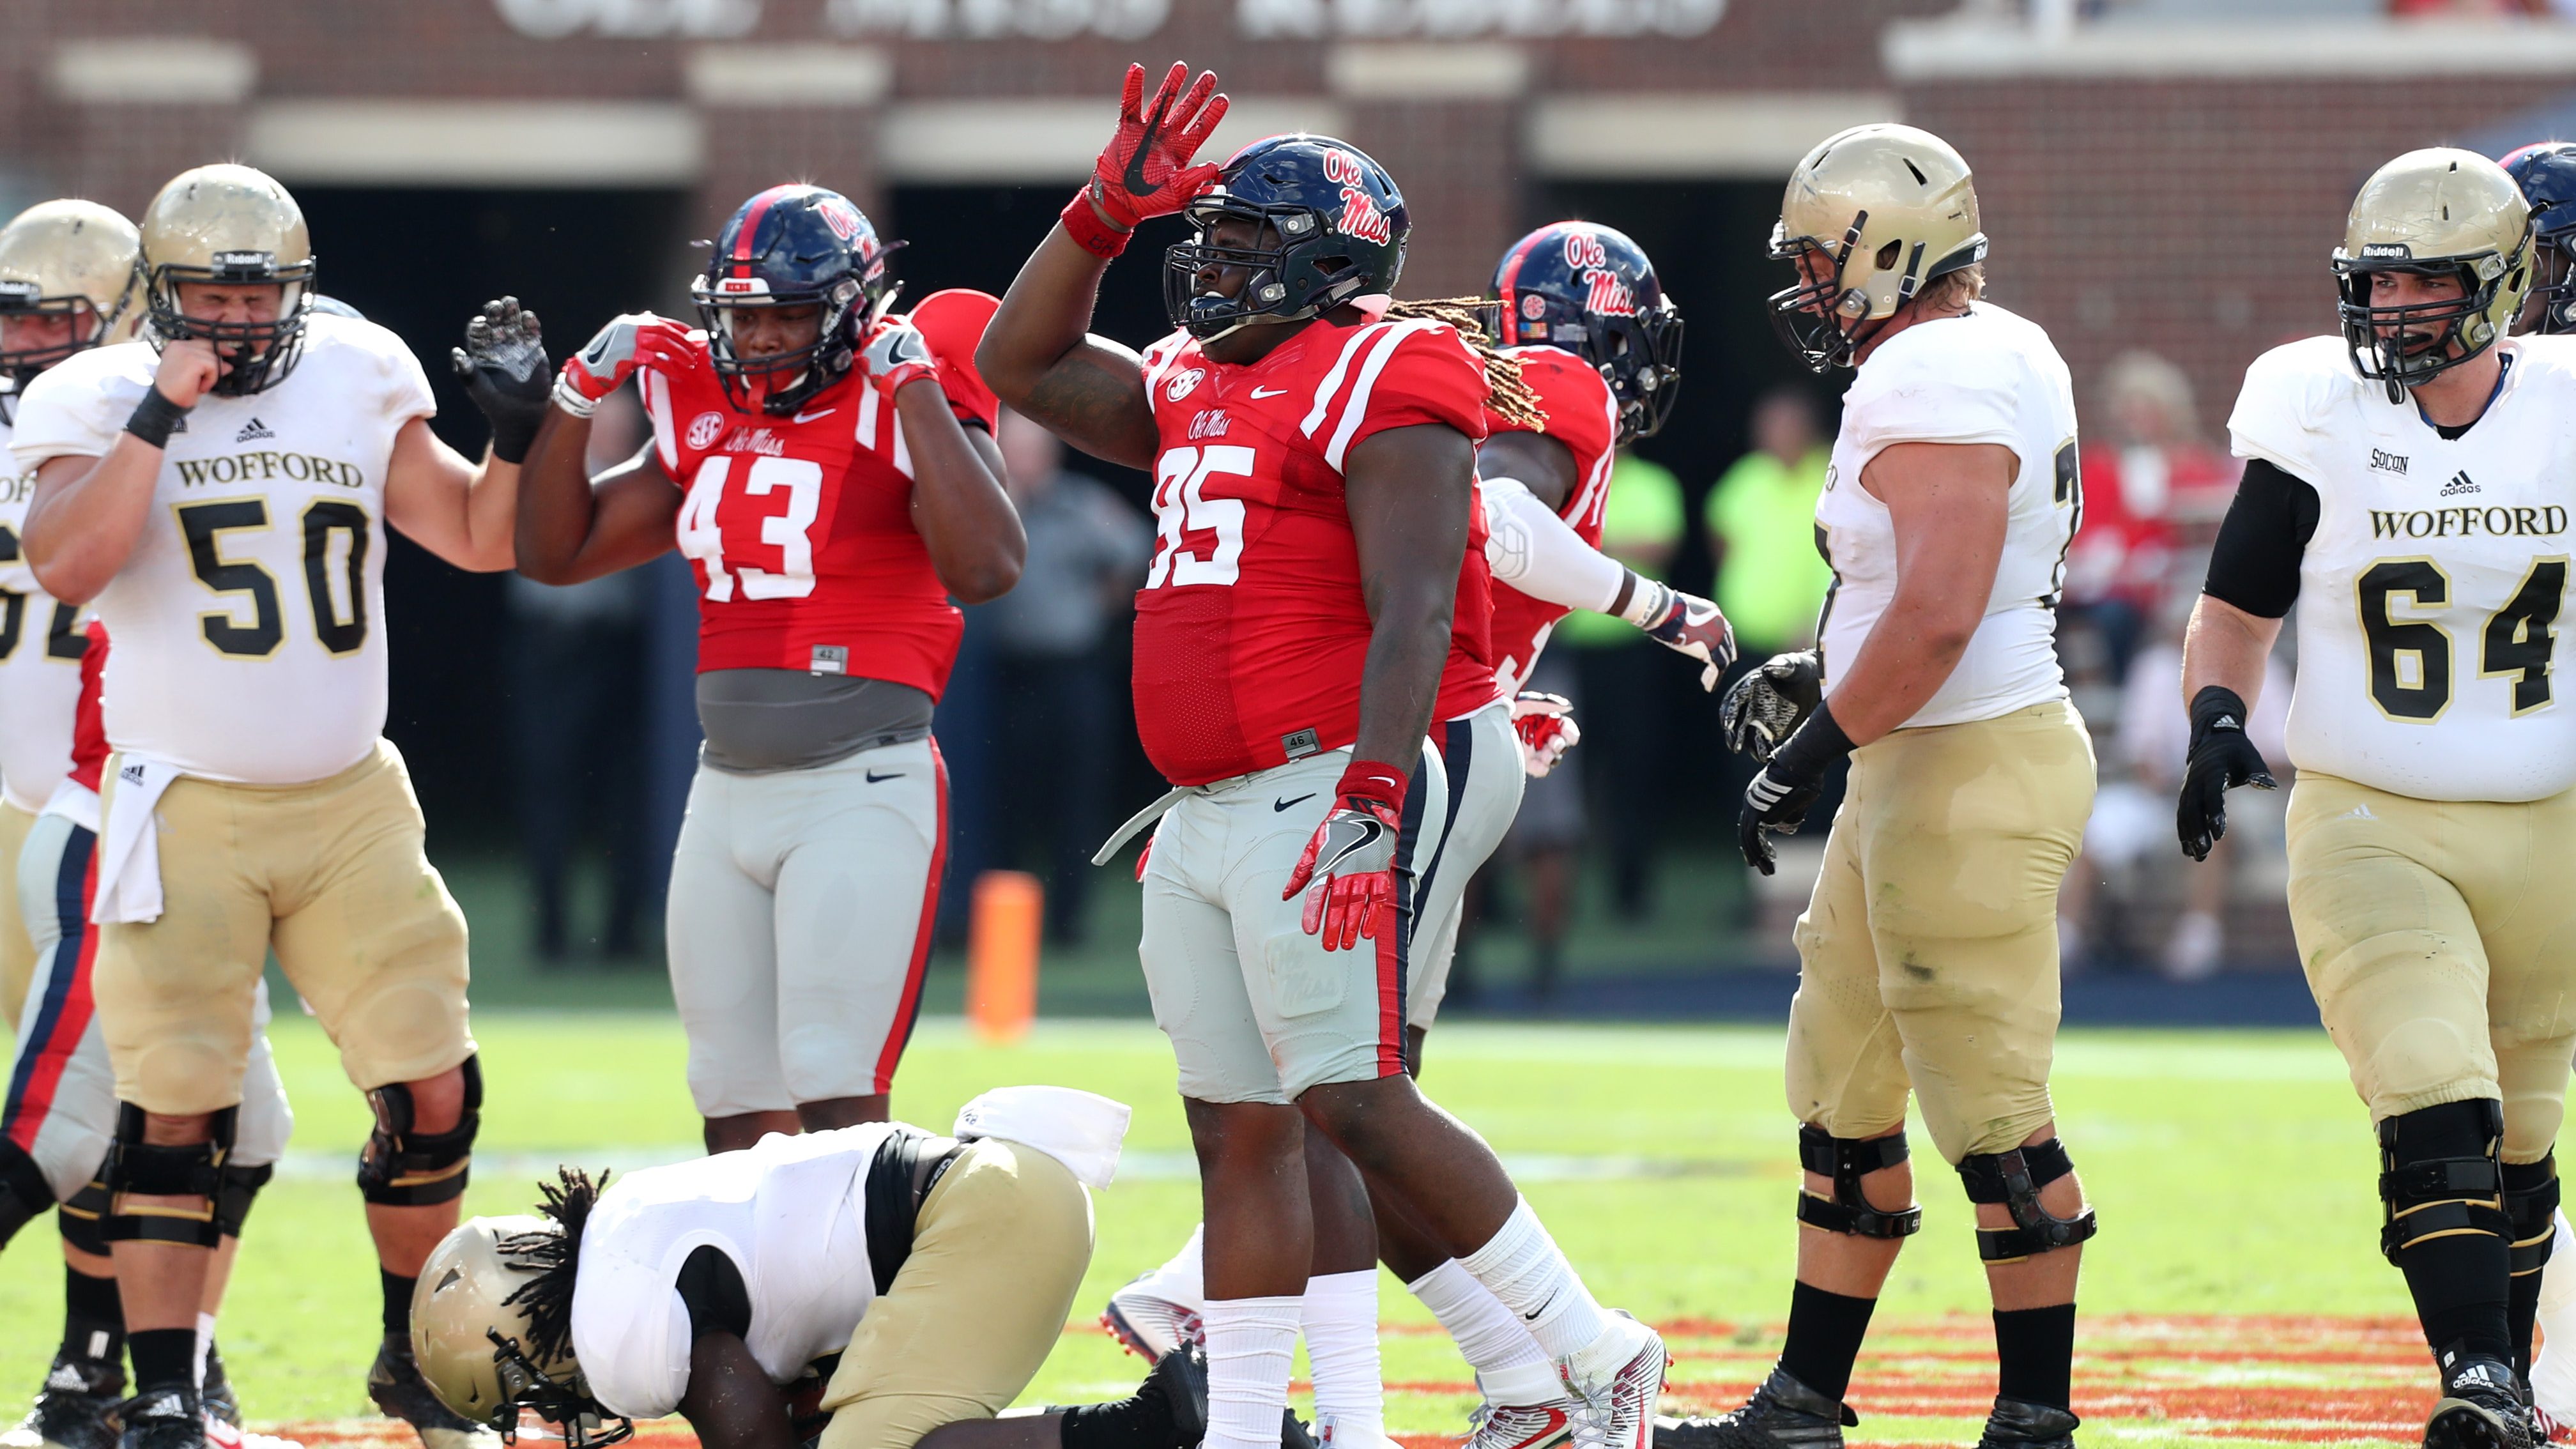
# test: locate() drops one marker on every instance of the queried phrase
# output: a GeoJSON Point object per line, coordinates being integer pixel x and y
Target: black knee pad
{"type": "Point", "coordinates": [2014, 1179]}
{"type": "Point", "coordinates": [405, 1168]}
{"type": "Point", "coordinates": [1845, 1160]}
{"type": "Point", "coordinates": [23, 1190]}
{"type": "Point", "coordinates": [2439, 1175]}
{"type": "Point", "coordinates": [2531, 1201]}
{"type": "Point", "coordinates": [241, 1188]}
{"type": "Point", "coordinates": [136, 1167]}
{"type": "Point", "coordinates": [83, 1217]}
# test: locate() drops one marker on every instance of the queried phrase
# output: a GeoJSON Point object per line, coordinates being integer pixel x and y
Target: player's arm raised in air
{"type": "Point", "coordinates": [463, 511]}
{"type": "Point", "coordinates": [1039, 354]}
{"type": "Point", "coordinates": [571, 529]}
{"type": "Point", "coordinates": [959, 507]}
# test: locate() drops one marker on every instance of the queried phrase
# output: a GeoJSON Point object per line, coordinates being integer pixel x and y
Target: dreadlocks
{"type": "Point", "coordinates": [1510, 398]}
{"type": "Point", "coordinates": [554, 1255]}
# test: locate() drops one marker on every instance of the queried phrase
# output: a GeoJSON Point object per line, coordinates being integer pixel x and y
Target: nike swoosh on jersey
{"type": "Point", "coordinates": [1279, 805]}
{"type": "Point", "coordinates": [1262, 392]}
{"type": "Point", "coordinates": [876, 779]}
{"type": "Point", "coordinates": [809, 417]}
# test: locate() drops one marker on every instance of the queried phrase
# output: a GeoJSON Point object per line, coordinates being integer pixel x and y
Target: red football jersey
{"type": "Point", "coordinates": [800, 528]}
{"type": "Point", "coordinates": [89, 727]}
{"type": "Point", "coordinates": [1251, 629]}
{"type": "Point", "coordinates": [1583, 416]}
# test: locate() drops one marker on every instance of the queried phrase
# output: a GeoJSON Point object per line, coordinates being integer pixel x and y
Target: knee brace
{"type": "Point", "coordinates": [138, 1168]}
{"type": "Point", "coordinates": [241, 1188]}
{"type": "Point", "coordinates": [2430, 1184]}
{"type": "Point", "coordinates": [82, 1218]}
{"type": "Point", "coordinates": [1845, 1160]}
{"type": "Point", "coordinates": [2014, 1179]}
{"type": "Point", "coordinates": [405, 1168]}
{"type": "Point", "coordinates": [23, 1190]}
{"type": "Point", "coordinates": [2531, 1201]}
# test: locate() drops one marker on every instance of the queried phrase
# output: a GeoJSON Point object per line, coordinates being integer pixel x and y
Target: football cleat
{"type": "Point", "coordinates": [2481, 1408]}
{"type": "Point", "coordinates": [1782, 1412]}
{"type": "Point", "coordinates": [163, 1419]}
{"type": "Point", "coordinates": [1149, 1325]}
{"type": "Point", "coordinates": [394, 1382]}
{"type": "Point", "coordinates": [76, 1409]}
{"type": "Point", "coordinates": [215, 1389]}
{"type": "Point", "coordinates": [1179, 1384]}
{"type": "Point", "coordinates": [1615, 1381]}
{"type": "Point", "coordinates": [1519, 1426]}
{"type": "Point", "coordinates": [2016, 1424]}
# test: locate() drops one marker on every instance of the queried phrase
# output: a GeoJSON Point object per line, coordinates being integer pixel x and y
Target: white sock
{"type": "Point", "coordinates": [1183, 1280]}
{"type": "Point", "coordinates": [1340, 1316]}
{"type": "Point", "coordinates": [1490, 1337]}
{"type": "Point", "coordinates": [2558, 1278]}
{"type": "Point", "coordinates": [1250, 1344]}
{"type": "Point", "coordinates": [1520, 1265]}
{"type": "Point", "coordinates": [205, 1341]}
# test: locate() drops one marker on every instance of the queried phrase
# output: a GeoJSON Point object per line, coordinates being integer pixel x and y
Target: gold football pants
{"type": "Point", "coordinates": [17, 943]}
{"type": "Point", "coordinates": [2439, 938]}
{"type": "Point", "coordinates": [1928, 955]}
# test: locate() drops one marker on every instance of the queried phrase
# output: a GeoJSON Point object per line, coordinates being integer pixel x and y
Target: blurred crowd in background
{"type": "Point", "coordinates": [1037, 732]}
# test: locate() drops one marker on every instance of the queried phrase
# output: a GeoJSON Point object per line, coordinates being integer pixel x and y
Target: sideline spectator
{"type": "Point", "coordinates": [576, 657]}
{"type": "Point", "coordinates": [1059, 683]}
{"type": "Point", "coordinates": [1761, 521]}
{"type": "Point", "coordinates": [2148, 481]}
{"type": "Point", "coordinates": [1627, 720]}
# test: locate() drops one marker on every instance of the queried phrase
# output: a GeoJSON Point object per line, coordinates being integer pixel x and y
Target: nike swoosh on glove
{"type": "Point", "coordinates": [1689, 624]}
{"type": "Point", "coordinates": [1145, 169]}
{"type": "Point", "coordinates": [1786, 789]}
{"type": "Point", "coordinates": [1545, 724]}
{"type": "Point", "coordinates": [1766, 706]}
{"type": "Point", "coordinates": [630, 341]}
{"type": "Point", "coordinates": [896, 354]}
{"type": "Point", "coordinates": [2221, 759]}
{"type": "Point", "coordinates": [1348, 868]}
{"type": "Point", "coordinates": [503, 365]}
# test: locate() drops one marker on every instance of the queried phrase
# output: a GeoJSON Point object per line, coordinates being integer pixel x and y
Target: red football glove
{"type": "Point", "coordinates": [896, 354]}
{"type": "Point", "coordinates": [1145, 170]}
{"type": "Point", "coordinates": [1350, 859]}
{"type": "Point", "coordinates": [610, 357]}
{"type": "Point", "coordinates": [1545, 723]}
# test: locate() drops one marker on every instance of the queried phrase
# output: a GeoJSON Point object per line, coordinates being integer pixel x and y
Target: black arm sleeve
{"type": "Point", "coordinates": [2256, 563]}
{"type": "Point", "coordinates": [711, 1288]}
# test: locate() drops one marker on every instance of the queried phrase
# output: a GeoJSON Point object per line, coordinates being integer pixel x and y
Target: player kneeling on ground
{"type": "Point", "coordinates": [1928, 957]}
{"type": "Point", "coordinates": [936, 1270]}
{"type": "Point", "coordinates": [2409, 486]}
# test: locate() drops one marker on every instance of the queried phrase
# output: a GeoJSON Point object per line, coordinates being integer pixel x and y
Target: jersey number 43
{"type": "Point", "coordinates": [785, 536]}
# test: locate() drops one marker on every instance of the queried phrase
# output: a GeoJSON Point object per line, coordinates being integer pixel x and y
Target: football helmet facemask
{"type": "Point", "coordinates": [230, 225]}
{"type": "Point", "coordinates": [73, 258]}
{"type": "Point", "coordinates": [2440, 211]}
{"type": "Point", "coordinates": [1329, 228]}
{"type": "Point", "coordinates": [793, 246]}
{"type": "Point", "coordinates": [1870, 216]}
{"type": "Point", "coordinates": [470, 1332]}
{"type": "Point", "coordinates": [1592, 291]}
{"type": "Point", "coordinates": [2547, 175]}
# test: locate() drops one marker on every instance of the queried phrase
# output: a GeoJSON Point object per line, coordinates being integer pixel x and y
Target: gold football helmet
{"type": "Point", "coordinates": [73, 258]}
{"type": "Point", "coordinates": [229, 224]}
{"type": "Point", "coordinates": [2435, 212]}
{"type": "Point", "coordinates": [1870, 216]}
{"type": "Point", "coordinates": [474, 1332]}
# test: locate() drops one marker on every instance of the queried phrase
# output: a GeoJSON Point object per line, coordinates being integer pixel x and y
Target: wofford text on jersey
{"type": "Point", "coordinates": [2466, 522]}
{"type": "Point", "coordinates": [262, 466]}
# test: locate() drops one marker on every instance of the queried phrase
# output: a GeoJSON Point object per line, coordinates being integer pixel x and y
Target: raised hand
{"type": "Point", "coordinates": [503, 365]}
{"type": "Point", "coordinates": [1145, 169]}
{"type": "Point", "coordinates": [611, 356]}
{"type": "Point", "coordinates": [896, 354]}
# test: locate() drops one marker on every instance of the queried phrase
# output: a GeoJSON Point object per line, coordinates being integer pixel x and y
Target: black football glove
{"type": "Point", "coordinates": [503, 365]}
{"type": "Point", "coordinates": [1786, 789]}
{"type": "Point", "coordinates": [2221, 759]}
{"type": "Point", "coordinates": [1766, 706]}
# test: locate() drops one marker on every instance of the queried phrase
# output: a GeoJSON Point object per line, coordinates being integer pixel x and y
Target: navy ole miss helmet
{"type": "Point", "coordinates": [1591, 291]}
{"type": "Point", "coordinates": [793, 246]}
{"type": "Point", "coordinates": [1330, 226]}
{"type": "Point", "coordinates": [2546, 172]}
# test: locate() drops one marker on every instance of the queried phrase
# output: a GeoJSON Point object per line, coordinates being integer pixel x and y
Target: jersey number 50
{"type": "Point", "coordinates": [203, 525]}
{"type": "Point", "coordinates": [1182, 507]}
{"type": "Point", "coordinates": [2410, 659]}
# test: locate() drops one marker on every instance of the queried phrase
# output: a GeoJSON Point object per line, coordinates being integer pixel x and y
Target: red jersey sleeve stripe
{"type": "Point", "coordinates": [1332, 382]}
{"type": "Point", "coordinates": [1355, 411]}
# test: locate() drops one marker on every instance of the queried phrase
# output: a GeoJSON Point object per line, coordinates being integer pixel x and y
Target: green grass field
{"type": "Point", "coordinates": [2223, 1302]}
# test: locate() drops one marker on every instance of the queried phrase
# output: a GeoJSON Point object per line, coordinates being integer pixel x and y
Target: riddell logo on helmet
{"type": "Point", "coordinates": [2398, 250]}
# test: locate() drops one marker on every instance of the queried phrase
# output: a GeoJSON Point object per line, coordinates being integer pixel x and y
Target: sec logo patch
{"type": "Point", "coordinates": [705, 428]}
{"type": "Point", "coordinates": [1183, 385]}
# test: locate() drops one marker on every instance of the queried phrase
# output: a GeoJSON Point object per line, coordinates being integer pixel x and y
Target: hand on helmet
{"type": "Point", "coordinates": [503, 365]}
{"type": "Point", "coordinates": [1689, 624]}
{"type": "Point", "coordinates": [1545, 724]}
{"type": "Point", "coordinates": [1766, 706]}
{"type": "Point", "coordinates": [1145, 170]}
{"type": "Point", "coordinates": [612, 355]}
{"type": "Point", "coordinates": [897, 354]}
{"type": "Point", "coordinates": [1350, 859]}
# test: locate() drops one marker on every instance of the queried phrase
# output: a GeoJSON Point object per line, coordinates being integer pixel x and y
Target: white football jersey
{"type": "Point", "coordinates": [2429, 597]}
{"type": "Point", "coordinates": [792, 1214]}
{"type": "Point", "coordinates": [250, 620]}
{"type": "Point", "coordinates": [1984, 377]}
{"type": "Point", "coordinates": [40, 653]}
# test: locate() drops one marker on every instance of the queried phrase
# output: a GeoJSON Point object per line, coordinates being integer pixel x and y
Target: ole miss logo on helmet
{"type": "Point", "coordinates": [1603, 292]}
{"type": "Point", "coordinates": [1360, 216]}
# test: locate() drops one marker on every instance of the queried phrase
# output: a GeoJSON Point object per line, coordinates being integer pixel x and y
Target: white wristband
{"type": "Point", "coordinates": [1648, 602]}
{"type": "Point", "coordinates": [569, 398]}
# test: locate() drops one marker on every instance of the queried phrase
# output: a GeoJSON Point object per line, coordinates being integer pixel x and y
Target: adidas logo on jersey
{"type": "Point", "coordinates": [2388, 462]}
{"type": "Point", "coordinates": [2358, 812]}
{"type": "Point", "coordinates": [2460, 483]}
{"type": "Point", "coordinates": [253, 431]}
